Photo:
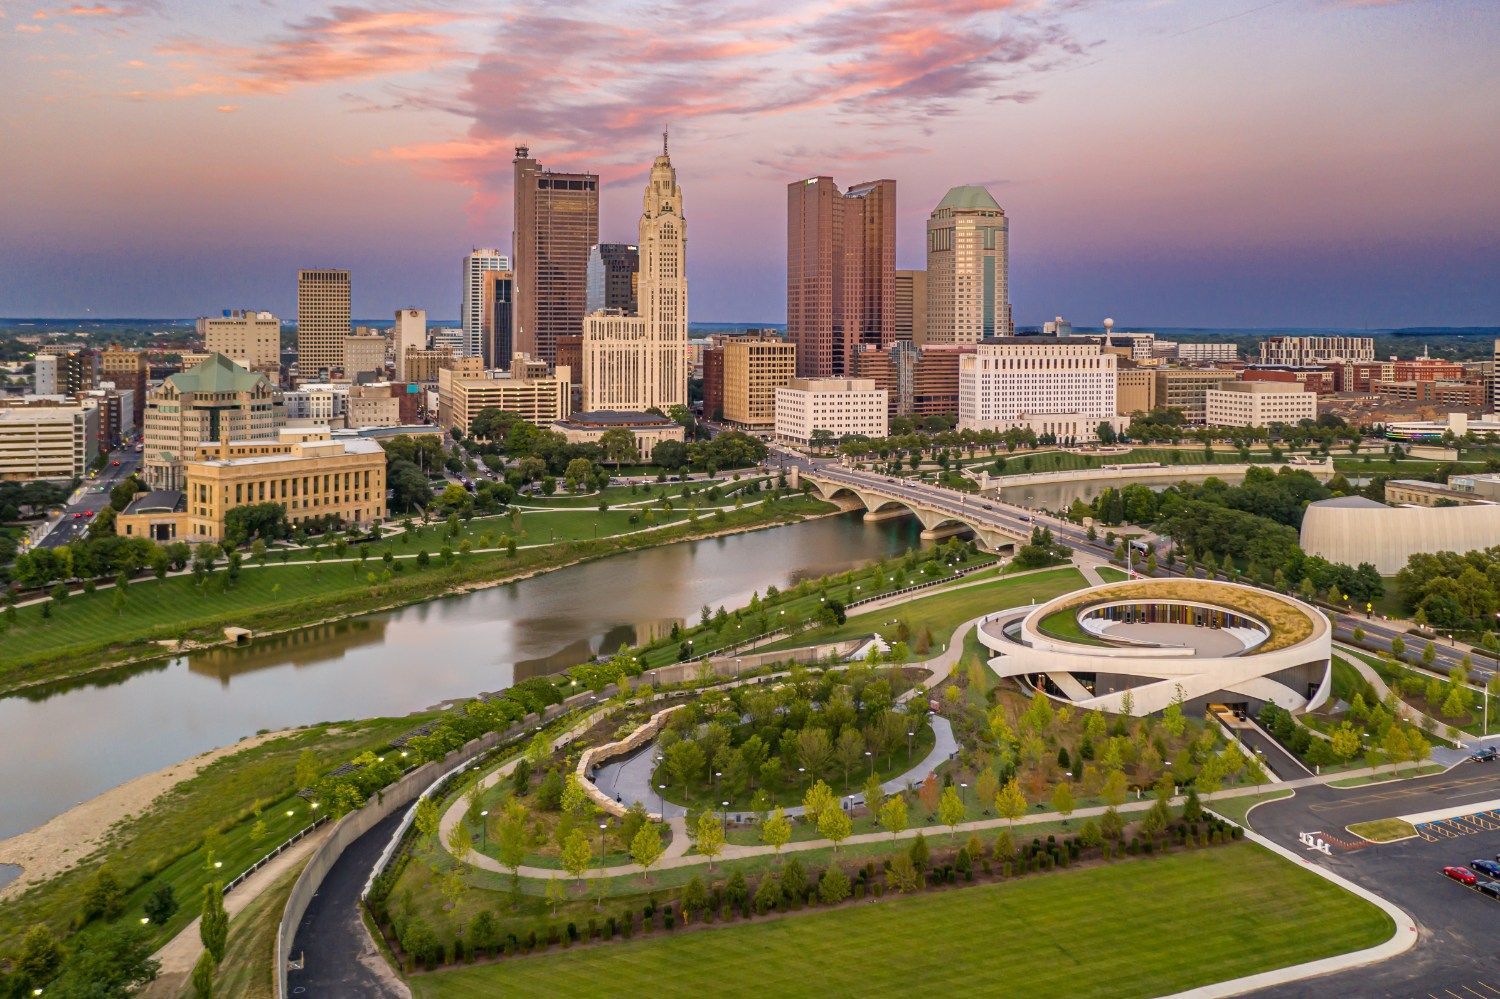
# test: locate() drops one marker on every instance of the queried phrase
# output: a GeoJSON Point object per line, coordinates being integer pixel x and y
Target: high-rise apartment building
{"type": "Point", "coordinates": [248, 338]}
{"type": "Point", "coordinates": [497, 318]}
{"type": "Point", "coordinates": [1059, 389]}
{"type": "Point", "coordinates": [216, 400]}
{"type": "Point", "coordinates": [44, 373]}
{"type": "Point", "coordinates": [840, 271]}
{"type": "Point", "coordinates": [408, 333]}
{"type": "Point", "coordinates": [1305, 350]}
{"type": "Point", "coordinates": [556, 222]}
{"type": "Point", "coordinates": [614, 269]}
{"type": "Point", "coordinates": [364, 354]}
{"type": "Point", "coordinates": [753, 369]}
{"type": "Point", "coordinates": [968, 262]}
{"type": "Point", "coordinates": [128, 370]}
{"type": "Point", "coordinates": [536, 398]}
{"type": "Point", "coordinates": [77, 369]}
{"type": "Point", "coordinates": [636, 363]}
{"type": "Point", "coordinates": [920, 381]}
{"type": "Point", "coordinates": [471, 313]}
{"type": "Point", "coordinates": [1186, 389]}
{"type": "Point", "coordinates": [713, 381]}
{"type": "Point", "coordinates": [840, 407]}
{"type": "Point", "coordinates": [322, 322]}
{"type": "Point", "coordinates": [911, 307]}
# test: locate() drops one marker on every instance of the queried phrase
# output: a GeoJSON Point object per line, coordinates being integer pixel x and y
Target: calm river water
{"type": "Point", "coordinates": [73, 744]}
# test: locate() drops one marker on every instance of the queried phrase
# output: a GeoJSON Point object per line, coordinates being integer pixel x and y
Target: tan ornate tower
{"type": "Point", "coordinates": [635, 363]}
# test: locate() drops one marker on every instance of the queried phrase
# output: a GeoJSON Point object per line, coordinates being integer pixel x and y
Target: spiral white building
{"type": "Point", "coordinates": [1221, 643]}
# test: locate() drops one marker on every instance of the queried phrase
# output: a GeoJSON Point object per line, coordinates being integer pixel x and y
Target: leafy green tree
{"type": "Point", "coordinates": [776, 830]}
{"type": "Point", "coordinates": [427, 817]}
{"type": "Point", "coordinates": [893, 816]}
{"type": "Point", "coordinates": [203, 976]}
{"type": "Point", "coordinates": [1010, 803]}
{"type": "Point", "coordinates": [161, 905]}
{"type": "Point", "coordinates": [213, 925]}
{"type": "Point", "coordinates": [834, 824]}
{"type": "Point", "coordinates": [111, 964]}
{"type": "Point", "coordinates": [577, 855]}
{"type": "Point", "coordinates": [646, 848]}
{"type": "Point", "coordinates": [41, 956]}
{"type": "Point", "coordinates": [104, 897]}
{"type": "Point", "coordinates": [1062, 799]}
{"type": "Point", "coordinates": [833, 886]}
{"type": "Point", "coordinates": [710, 838]}
{"type": "Point", "coordinates": [951, 808]}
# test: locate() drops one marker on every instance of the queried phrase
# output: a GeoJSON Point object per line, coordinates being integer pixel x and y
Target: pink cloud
{"type": "Point", "coordinates": [348, 43]}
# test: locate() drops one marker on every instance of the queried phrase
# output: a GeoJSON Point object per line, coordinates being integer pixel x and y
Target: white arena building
{"type": "Point", "coordinates": [1222, 643]}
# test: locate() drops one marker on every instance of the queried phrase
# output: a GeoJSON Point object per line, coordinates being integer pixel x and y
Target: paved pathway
{"type": "Point", "coordinates": [1411, 714]}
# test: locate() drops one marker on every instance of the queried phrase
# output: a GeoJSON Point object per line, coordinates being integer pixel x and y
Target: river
{"type": "Point", "coordinates": [68, 746]}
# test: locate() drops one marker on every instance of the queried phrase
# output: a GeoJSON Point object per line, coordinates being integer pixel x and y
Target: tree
{"type": "Point", "coordinates": [833, 886]}
{"type": "Point", "coordinates": [427, 817]}
{"type": "Point", "coordinates": [902, 876]}
{"type": "Point", "coordinates": [814, 749]}
{"type": "Point", "coordinates": [577, 855]}
{"type": "Point", "coordinates": [41, 956]}
{"type": "Point", "coordinates": [818, 799]}
{"type": "Point", "coordinates": [685, 761]}
{"type": "Point", "coordinates": [951, 807]}
{"type": "Point", "coordinates": [617, 444]}
{"type": "Point", "coordinates": [555, 893]}
{"type": "Point", "coordinates": [646, 848]}
{"type": "Point", "coordinates": [203, 976]}
{"type": "Point", "coordinates": [986, 786]}
{"type": "Point", "coordinates": [1115, 789]}
{"type": "Point", "coordinates": [1062, 799]}
{"type": "Point", "coordinates": [834, 824]}
{"type": "Point", "coordinates": [104, 896]}
{"type": "Point", "coordinates": [710, 837]}
{"type": "Point", "coordinates": [849, 750]}
{"type": "Point", "coordinates": [161, 905]}
{"type": "Point", "coordinates": [112, 963]}
{"type": "Point", "coordinates": [213, 924]}
{"type": "Point", "coordinates": [1010, 803]}
{"type": "Point", "coordinates": [1345, 742]}
{"type": "Point", "coordinates": [893, 817]}
{"type": "Point", "coordinates": [510, 838]}
{"type": "Point", "coordinates": [928, 793]}
{"type": "Point", "coordinates": [776, 830]}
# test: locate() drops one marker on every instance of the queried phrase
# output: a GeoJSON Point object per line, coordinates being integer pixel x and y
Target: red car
{"type": "Point", "coordinates": [78, 516]}
{"type": "Point", "coordinates": [1462, 875]}
{"type": "Point", "coordinates": [115, 463]}
{"type": "Point", "coordinates": [88, 513]}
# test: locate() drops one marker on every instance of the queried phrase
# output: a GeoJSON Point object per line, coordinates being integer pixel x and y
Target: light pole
{"type": "Point", "coordinates": [484, 830]}
{"type": "Point", "coordinates": [802, 770]}
{"type": "Point", "coordinates": [870, 757]}
{"type": "Point", "coordinates": [909, 734]}
{"type": "Point", "coordinates": [725, 806]}
{"type": "Point", "coordinates": [661, 799]}
{"type": "Point", "coordinates": [603, 827]}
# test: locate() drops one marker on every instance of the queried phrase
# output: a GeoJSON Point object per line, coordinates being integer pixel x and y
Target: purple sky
{"type": "Point", "coordinates": [1165, 162]}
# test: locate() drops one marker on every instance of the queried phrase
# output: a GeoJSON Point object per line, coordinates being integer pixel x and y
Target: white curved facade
{"type": "Point", "coordinates": [1352, 529]}
{"type": "Point", "coordinates": [1230, 664]}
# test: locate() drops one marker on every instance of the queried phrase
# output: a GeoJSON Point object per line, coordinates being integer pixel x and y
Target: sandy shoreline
{"type": "Point", "coordinates": [66, 839]}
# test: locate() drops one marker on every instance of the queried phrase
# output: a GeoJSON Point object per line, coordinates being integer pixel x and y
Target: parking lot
{"type": "Point", "coordinates": [1456, 953]}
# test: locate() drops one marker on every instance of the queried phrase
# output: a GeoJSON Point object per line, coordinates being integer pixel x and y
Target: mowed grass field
{"type": "Point", "coordinates": [1135, 928]}
{"type": "Point", "coordinates": [945, 611]}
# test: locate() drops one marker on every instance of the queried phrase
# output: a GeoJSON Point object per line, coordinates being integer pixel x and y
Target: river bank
{"type": "Point", "coordinates": [265, 611]}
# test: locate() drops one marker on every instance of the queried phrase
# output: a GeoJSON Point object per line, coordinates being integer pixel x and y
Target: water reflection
{"type": "Point", "coordinates": [70, 744]}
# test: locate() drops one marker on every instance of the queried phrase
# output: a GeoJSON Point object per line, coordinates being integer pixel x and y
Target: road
{"type": "Point", "coordinates": [91, 497]}
{"type": "Point", "coordinates": [1455, 954]}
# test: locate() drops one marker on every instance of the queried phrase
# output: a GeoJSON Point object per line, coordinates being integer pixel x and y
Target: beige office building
{"type": "Point", "coordinates": [248, 338]}
{"type": "Point", "coordinates": [841, 406]}
{"type": "Point", "coordinates": [754, 368]}
{"type": "Point", "coordinates": [47, 441]}
{"type": "Point", "coordinates": [911, 306]}
{"type": "Point", "coordinates": [1135, 391]}
{"type": "Point", "coordinates": [1187, 388]}
{"type": "Point", "coordinates": [422, 366]}
{"type": "Point", "coordinates": [636, 363]}
{"type": "Point", "coordinates": [322, 322]}
{"type": "Point", "coordinates": [408, 333]}
{"type": "Point", "coordinates": [968, 266]}
{"type": "Point", "coordinates": [646, 429]}
{"type": "Point", "coordinates": [372, 406]}
{"type": "Point", "coordinates": [540, 400]}
{"type": "Point", "coordinates": [215, 400]}
{"type": "Point", "coordinates": [364, 354]}
{"type": "Point", "coordinates": [310, 478]}
{"type": "Point", "coordinates": [1258, 404]}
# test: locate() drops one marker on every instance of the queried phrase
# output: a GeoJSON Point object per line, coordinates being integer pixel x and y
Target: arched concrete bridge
{"type": "Point", "coordinates": [941, 512]}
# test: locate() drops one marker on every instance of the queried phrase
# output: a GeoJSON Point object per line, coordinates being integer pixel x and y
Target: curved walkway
{"type": "Point", "coordinates": [1440, 753]}
{"type": "Point", "coordinates": [629, 780]}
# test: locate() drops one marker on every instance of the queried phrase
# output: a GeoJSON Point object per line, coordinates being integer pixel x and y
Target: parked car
{"type": "Point", "coordinates": [1462, 875]}
{"type": "Point", "coordinates": [1490, 888]}
{"type": "Point", "coordinates": [1489, 867]}
{"type": "Point", "coordinates": [1485, 755]}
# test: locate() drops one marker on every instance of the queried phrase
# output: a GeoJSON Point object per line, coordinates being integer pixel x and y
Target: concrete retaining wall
{"type": "Point", "coordinates": [1221, 469]}
{"type": "Point", "coordinates": [597, 756]}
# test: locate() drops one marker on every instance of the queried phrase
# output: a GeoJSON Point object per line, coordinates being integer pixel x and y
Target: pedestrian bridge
{"type": "Point", "coordinates": [941, 513]}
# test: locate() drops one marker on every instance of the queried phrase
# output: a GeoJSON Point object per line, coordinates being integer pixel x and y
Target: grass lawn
{"type": "Point", "coordinates": [1064, 624]}
{"type": "Point", "coordinates": [945, 611]}
{"type": "Point", "coordinates": [1381, 778]}
{"type": "Point", "coordinates": [1112, 575]}
{"type": "Point", "coordinates": [1236, 809]}
{"type": "Point", "coordinates": [247, 971]}
{"type": "Point", "coordinates": [1050, 935]}
{"type": "Point", "coordinates": [1383, 830]}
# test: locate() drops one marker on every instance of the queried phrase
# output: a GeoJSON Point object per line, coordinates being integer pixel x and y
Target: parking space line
{"type": "Point", "coordinates": [1489, 988]}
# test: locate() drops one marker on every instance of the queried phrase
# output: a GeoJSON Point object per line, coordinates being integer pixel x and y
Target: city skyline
{"type": "Point", "coordinates": [1297, 164]}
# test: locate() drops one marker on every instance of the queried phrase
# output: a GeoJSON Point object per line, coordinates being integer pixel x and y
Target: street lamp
{"type": "Point", "coordinates": [725, 806]}
{"type": "Point", "coordinates": [802, 770]}
{"type": "Point", "coordinates": [661, 801]}
{"type": "Point", "coordinates": [869, 756]}
{"type": "Point", "coordinates": [484, 829]}
{"type": "Point", "coordinates": [909, 735]}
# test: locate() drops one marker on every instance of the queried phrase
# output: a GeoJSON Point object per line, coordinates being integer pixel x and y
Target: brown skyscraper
{"type": "Point", "coordinates": [556, 223]}
{"type": "Point", "coordinates": [840, 271]}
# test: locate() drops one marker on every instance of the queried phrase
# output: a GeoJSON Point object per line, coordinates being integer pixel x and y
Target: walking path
{"type": "Point", "coordinates": [1441, 753]}
{"type": "Point", "coordinates": [178, 955]}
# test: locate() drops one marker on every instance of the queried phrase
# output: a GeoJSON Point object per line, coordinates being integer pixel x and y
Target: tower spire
{"type": "Point", "coordinates": [664, 140]}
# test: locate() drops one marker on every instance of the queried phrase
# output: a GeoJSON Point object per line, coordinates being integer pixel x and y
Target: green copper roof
{"type": "Point", "coordinates": [217, 374]}
{"type": "Point", "coordinates": [970, 197]}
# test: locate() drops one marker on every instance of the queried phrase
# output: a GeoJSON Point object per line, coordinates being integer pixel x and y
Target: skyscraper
{"type": "Point", "coordinates": [497, 318]}
{"type": "Point", "coordinates": [911, 307]}
{"type": "Point", "coordinates": [322, 322]}
{"type": "Point", "coordinates": [635, 363]}
{"type": "Point", "coordinates": [968, 262]}
{"type": "Point", "coordinates": [409, 333]}
{"type": "Point", "coordinates": [556, 223]}
{"type": "Point", "coordinates": [613, 271]}
{"type": "Point", "coordinates": [471, 311]}
{"type": "Point", "coordinates": [841, 271]}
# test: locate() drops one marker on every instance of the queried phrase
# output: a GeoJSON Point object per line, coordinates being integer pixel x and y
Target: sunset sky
{"type": "Point", "coordinates": [1166, 162]}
